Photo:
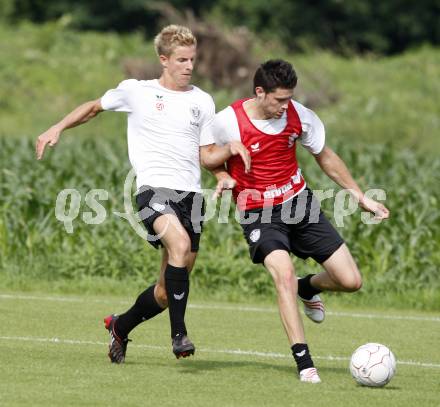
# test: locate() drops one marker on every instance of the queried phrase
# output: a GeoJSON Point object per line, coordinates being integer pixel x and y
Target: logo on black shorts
{"type": "Point", "coordinates": [158, 207]}
{"type": "Point", "coordinates": [255, 235]}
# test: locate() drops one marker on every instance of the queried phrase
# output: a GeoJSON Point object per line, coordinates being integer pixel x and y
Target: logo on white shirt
{"type": "Point", "coordinates": [255, 147]}
{"type": "Point", "coordinates": [195, 112]}
{"type": "Point", "coordinates": [159, 103]}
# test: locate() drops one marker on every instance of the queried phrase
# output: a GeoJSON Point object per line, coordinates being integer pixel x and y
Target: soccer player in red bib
{"type": "Point", "coordinates": [279, 213]}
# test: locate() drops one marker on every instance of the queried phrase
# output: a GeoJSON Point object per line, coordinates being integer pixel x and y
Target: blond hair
{"type": "Point", "coordinates": [173, 36]}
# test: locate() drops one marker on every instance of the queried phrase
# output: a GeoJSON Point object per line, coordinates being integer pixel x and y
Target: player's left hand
{"type": "Point", "coordinates": [222, 185]}
{"type": "Point", "coordinates": [380, 211]}
{"type": "Point", "coordinates": [236, 147]}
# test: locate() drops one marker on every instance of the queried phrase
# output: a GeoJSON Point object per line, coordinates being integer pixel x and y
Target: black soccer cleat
{"type": "Point", "coordinates": [117, 348]}
{"type": "Point", "coordinates": [182, 346]}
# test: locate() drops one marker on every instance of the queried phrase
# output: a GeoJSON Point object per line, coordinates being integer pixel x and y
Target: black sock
{"type": "Point", "coordinates": [177, 287]}
{"type": "Point", "coordinates": [305, 289]}
{"type": "Point", "coordinates": [300, 352]}
{"type": "Point", "coordinates": [144, 308]}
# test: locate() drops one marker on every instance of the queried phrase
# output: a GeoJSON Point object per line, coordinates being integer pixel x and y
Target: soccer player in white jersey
{"type": "Point", "coordinates": [279, 214]}
{"type": "Point", "coordinates": [169, 132]}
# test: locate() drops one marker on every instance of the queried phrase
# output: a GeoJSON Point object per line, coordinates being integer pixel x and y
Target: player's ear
{"type": "Point", "coordinates": [163, 61]}
{"type": "Point", "coordinates": [259, 92]}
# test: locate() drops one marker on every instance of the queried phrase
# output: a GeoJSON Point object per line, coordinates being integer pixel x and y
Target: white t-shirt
{"type": "Point", "coordinates": [225, 127]}
{"type": "Point", "coordinates": [165, 130]}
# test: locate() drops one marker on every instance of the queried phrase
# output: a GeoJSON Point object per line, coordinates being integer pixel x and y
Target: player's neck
{"type": "Point", "coordinates": [168, 82]}
{"type": "Point", "coordinates": [254, 110]}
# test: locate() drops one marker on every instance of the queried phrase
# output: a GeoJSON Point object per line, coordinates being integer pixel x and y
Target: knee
{"type": "Point", "coordinates": [180, 250]}
{"type": "Point", "coordinates": [352, 283]}
{"type": "Point", "coordinates": [285, 281]}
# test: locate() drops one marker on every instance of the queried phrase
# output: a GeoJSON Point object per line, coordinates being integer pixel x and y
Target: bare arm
{"type": "Point", "coordinates": [212, 156]}
{"type": "Point", "coordinates": [336, 169]}
{"type": "Point", "coordinates": [80, 115]}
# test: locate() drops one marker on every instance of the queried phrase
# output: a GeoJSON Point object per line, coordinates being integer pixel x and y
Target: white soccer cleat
{"type": "Point", "coordinates": [309, 375]}
{"type": "Point", "coordinates": [314, 308]}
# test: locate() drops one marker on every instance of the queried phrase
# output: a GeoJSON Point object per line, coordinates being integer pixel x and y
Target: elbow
{"type": "Point", "coordinates": [206, 163]}
{"type": "Point", "coordinates": [207, 157]}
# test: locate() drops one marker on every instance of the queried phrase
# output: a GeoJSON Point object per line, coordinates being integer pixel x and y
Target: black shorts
{"type": "Point", "coordinates": [297, 226]}
{"type": "Point", "coordinates": [188, 207]}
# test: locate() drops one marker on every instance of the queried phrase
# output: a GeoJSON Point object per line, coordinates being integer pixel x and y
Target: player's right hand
{"type": "Point", "coordinates": [49, 137]}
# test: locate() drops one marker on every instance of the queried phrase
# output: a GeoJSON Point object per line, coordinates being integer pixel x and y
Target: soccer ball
{"type": "Point", "coordinates": [373, 365]}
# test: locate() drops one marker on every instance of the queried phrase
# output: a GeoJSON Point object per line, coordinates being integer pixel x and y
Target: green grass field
{"type": "Point", "coordinates": [54, 354]}
{"type": "Point", "coordinates": [384, 122]}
